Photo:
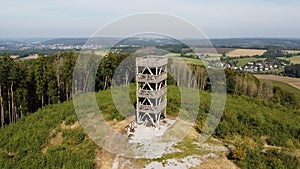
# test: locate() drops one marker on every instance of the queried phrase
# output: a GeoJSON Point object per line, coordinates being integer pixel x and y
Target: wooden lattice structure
{"type": "Point", "coordinates": [151, 91]}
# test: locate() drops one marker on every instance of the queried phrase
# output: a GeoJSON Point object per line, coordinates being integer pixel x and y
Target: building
{"type": "Point", "coordinates": [151, 91]}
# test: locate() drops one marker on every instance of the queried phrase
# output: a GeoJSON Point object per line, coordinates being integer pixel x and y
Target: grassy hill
{"type": "Point", "coordinates": [286, 87]}
{"type": "Point", "coordinates": [52, 137]}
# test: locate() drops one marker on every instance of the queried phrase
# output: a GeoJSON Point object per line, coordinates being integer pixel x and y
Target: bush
{"type": "Point", "coordinates": [238, 154]}
{"type": "Point", "coordinates": [70, 120]}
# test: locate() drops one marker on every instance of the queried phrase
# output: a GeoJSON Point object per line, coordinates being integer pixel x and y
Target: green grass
{"type": "Point", "coordinates": [195, 61]}
{"type": "Point", "coordinates": [188, 60]}
{"type": "Point", "coordinates": [206, 54]}
{"type": "Point", "coordinates": [173, 55]}
{"type": "Point", "coordinates": [244, 61]}
{"type": "Point", "coordinates": [21, 144]}
{"type": "Point", "coordinates": [294, 59]}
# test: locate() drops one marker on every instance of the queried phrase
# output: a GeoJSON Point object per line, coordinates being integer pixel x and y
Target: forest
{"type": "Point", "coordinates": [292, 70]}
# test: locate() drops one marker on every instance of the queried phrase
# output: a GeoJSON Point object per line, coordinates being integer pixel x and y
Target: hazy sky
{"type": "Point", "coordinates": [216, 18]}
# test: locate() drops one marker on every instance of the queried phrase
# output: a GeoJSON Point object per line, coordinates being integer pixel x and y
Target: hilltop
{"type": "Point", "coordinates": [53, 138]}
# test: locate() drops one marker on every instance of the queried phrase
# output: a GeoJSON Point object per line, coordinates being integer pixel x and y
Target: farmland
{"type": "Point", "coordinates": [292, 51]}
{"type": "Point", "coordinates": [245, 52]}
{"type": "Point", "coordinates": [294, 59]}
{"type": "Point", "coordinates": [195, 61]}
{"type": "Point", "coordinates": [244, 61]}
{"type": "Point", "coordinates": [213, 50]}
{"type": "Point", "coordinates": [295, 82]}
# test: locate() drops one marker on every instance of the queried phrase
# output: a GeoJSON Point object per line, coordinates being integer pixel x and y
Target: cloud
{"type": "Point", "coordinates": [233, 18]}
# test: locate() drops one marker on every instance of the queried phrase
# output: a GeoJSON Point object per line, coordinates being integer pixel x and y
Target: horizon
{"type": "Point", "coordinates": [85, 37]}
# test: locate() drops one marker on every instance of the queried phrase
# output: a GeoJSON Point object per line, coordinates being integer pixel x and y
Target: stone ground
{"type": "Point", "coordinates": [147, 139]}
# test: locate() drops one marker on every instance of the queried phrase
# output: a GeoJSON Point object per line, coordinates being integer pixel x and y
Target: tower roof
{"type": "Point", "coordinates": [152, 61]}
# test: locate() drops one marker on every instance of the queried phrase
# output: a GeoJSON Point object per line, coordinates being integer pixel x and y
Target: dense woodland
{"type": "Point", "coordinates": [292, 70]}
{"type": "Point", "coordinates": [27, 85]}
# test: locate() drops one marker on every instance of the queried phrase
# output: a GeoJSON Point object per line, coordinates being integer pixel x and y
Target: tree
{"type": "Point", "coordinates": [68, 68]}
{"type": "Point", "coordinates": [41, 78]}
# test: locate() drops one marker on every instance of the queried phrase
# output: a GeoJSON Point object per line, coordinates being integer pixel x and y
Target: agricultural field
{"type": "Point", "coordinates": [294, 59]}
{"type": "Point", "coordinates": [291, 51]}
{"type": "Point", "coordinates": [219, 51]}
{"type": "Point", "coordinates": [245, 52]}
{"type": "Point", "coordinates": [35, 56]}
{"type": "Point", "coordinates": [195, 61]}
{"type": "Point", "coordinates": [216, 55]}
{"type": "Point", "coordinates": [172, 55]}
{"type": "Point", "coordinates": [295, 82]}
{"type": "Point", "coordinates": [101, 52]}
{"type": "Point", "coordinates": [244, 61]}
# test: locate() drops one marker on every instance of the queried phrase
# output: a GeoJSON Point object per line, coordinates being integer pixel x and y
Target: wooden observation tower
{"type": "Point", "coordinates": [151, 91]}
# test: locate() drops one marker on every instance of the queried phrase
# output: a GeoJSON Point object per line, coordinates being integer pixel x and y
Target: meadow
{"type": "Point", "coordinates": [295, 82]}
{"type": "Point", "coordinates": [244, 61]}
{"type": "Point", "coordinates": [294, 59]}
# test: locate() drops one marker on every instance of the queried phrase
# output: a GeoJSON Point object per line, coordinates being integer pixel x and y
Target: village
{"type": "Point", "coordinates": [256, 66]}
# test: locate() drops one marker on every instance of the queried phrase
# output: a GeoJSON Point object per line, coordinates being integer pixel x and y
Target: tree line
{"type": "Point", "coordinates": [292, 70]}
{"type": "Point", "coordinates": [27, 85]}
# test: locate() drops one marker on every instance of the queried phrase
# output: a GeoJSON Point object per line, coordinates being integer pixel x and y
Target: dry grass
{"type": "Point", "coordinates": [213, 50]}
{"type": "Point", "coordinates": [295, 82]}
{"type": "Point", "coordinates": [14, 56]}
{"type": "Point", "coordinates": [31, 57]}
{"type": "Point", "coordinates": [294, 59]}
{"type": "Point", "coordinates": [245, 52]}
{"type": "Point", "coordinates": [56, 139]}
{"type": "Point", "coordinates": [120, 126]}
{"type": "Point", "coordinates": [292, 51]}
{"type": "Point", "coordinates": [107, 160]}
{"type": "Point", "coordinates": [103, 159]}
{"type": "Point", "coordinates": [217, 163]}
{"type": "Point", "coordinates": [73, 126]}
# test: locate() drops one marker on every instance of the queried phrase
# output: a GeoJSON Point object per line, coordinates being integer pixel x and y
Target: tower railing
{"type": "Point", "coordinates": [152, 109]}
{"type": "Point", "coordinates": [152, 94]}
{"type": "Point", "coordinates": [151, 78]}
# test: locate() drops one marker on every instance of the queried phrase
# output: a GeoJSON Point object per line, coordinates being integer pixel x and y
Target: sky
{"type": "Point", "coordinates": [216, 18]}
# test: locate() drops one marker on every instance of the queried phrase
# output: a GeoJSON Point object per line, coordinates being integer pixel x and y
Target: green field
{"type": "Point", "coordinates": [294, 59]}
{"type": "Point", "coordinates": [206, 54]}
{"type": "Point", "coordinates": [244, 61]}
{"type": "Point", "coordinates": [292, 51]}
{"type": "Point", "coordinates": [188, 60]}
{"type": "Point", "coordinates": [195, 61]}
{"type": "Point", "coordinates": [172, 55]}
